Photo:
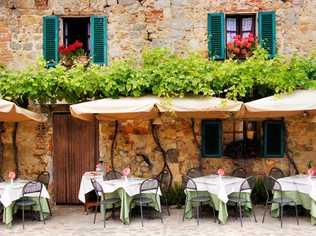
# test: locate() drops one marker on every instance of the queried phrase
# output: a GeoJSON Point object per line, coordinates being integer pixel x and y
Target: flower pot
{"type": "Point", "coordinates": [67, 62]}
{"type": "Point", "coordinates": [250, 135]}
{"type": "Point", "coordinates": [83, 59]}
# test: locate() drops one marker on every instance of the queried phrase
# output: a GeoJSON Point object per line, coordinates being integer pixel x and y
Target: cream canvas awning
{"type": "Point", "coordinates": [117, 109]}
{"type": "Point", "coordinates": [149, 107]}
{"type": "Point", "coordinates": [10, 112]}
{"type": "Point", "coordinates": [200, 107]}
{"type": "Point", "coordinates": [295, 103]}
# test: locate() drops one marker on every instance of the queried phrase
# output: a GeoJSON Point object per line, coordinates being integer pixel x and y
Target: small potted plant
{"type": "Point", "coordinates": [74, 52]}
{"type": "Point", "coordinates": [311, 170]}
{"type": "Point", "coordinates": [241, 47]}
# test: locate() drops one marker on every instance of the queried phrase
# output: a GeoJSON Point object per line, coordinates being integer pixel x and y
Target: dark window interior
{"type": "Point", "coordinates": [240, 25]}
{"type": "Point", "coordinates": [274, 138]}
{"type": "Point", "coordinates": [211, 138]}
{"type": "Point", "coordinates": [77, 29]}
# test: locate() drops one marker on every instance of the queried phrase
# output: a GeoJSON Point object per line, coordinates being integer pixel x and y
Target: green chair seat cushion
{"type": "Point", "coordinates": [143, 200]}
{"type": "Point", "coordinates": [110, 201]}
{"type": "Point", "coordinates": [201, 199]}
{"type": "Point", "coordinates": [25, 202]}
{"type": "Point", "coordinates": [283, 200]}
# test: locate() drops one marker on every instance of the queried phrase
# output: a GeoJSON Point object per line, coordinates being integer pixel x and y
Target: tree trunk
{"type": "Point", "coordinates": [15, 149]}
{"type": "Point", "coordinates": [196, 141]}
{"type": "Point", "coordinates": [1, 148]}
{"type": "Point", "coordinates": [289, 153]}
{"type": "Point", "coordinates": [155, 135]}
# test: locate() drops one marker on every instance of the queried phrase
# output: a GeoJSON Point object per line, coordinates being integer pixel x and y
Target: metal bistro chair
{"type": "Point", "coordinates": [194, 173]}
{"type": "Point", "coordinates": [276, 173]}
{"type": "Point", "coordinates": [165, 183]}
{"type": "Point", "coordinates": [44, 178]}
{"type": "Point", "coordinates": [248, 184]}
{"type": "Point", "coordinates": [30, 189]}
{"type": "Point", "coordinates": [189, 184]}
{"type": "Point", "coordinates": [239, 172]}
{"type": "Point", "coordinates": [148, 185]}
{"type": "Point", "coordinates": [1, 179]}
{"type": "Point", "coordinates": [100, 201]}
{"type": "Point", "coordinates": [112, 175]}
{"type": "Point", "coordinates": [272, 185]}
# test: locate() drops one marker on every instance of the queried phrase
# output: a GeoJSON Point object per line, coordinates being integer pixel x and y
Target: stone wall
{"type": "Point", "coordinates": [134, 24]}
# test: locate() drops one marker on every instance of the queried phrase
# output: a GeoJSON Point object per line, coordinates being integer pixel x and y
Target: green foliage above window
{"type": "Point", "coordinates": [161, 73]}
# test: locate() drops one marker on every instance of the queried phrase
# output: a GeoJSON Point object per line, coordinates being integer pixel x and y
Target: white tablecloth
{"type": "Point", "coordinates": [220, 186]}
{"type": "Point", "coordinates": [131, 186]}
{"type": "Point", "coordinates": [299, 183]}
{"type": "Point", "coordinates": [12, 192]}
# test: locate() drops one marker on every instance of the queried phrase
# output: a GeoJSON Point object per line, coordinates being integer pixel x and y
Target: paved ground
{"type": "Point", "coordinates": [72, 221]}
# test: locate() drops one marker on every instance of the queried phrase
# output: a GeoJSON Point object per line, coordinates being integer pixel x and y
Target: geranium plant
{"type": "Point", "coordinates": [241, 47]}
{"type": "Point", "coordinates": [72, 51]}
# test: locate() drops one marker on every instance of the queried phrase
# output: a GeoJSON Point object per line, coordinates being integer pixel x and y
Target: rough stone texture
{"type": "Point", "coordinates": [134, 24]}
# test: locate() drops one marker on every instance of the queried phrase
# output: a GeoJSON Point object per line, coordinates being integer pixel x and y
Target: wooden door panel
{"type": "Point", "coordinates": [78, 154]}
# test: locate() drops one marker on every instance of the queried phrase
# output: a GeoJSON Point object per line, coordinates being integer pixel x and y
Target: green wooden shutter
{"type": "Point", "coordinates": [50, 39]}
{"type": "Point", "coordinates": [216, 37]}
{"type": "Point", "coordinates": [211, 138]}
{"type": "Point", "coordinates": [267, 32]}
{"type": "Point", "coordinates": [274, 138]}
{"type": "Point", "coordinates": [99, 45]}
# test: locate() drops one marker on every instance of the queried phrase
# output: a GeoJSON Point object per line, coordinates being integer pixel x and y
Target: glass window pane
{"type": "Point", "coordinates": [246, 24]}
{"type": "Point", "coordinates": [231, 24]}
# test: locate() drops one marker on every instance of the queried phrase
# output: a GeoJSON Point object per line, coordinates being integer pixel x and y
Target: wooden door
{"type": "Point", "coordinates": [75, 151]}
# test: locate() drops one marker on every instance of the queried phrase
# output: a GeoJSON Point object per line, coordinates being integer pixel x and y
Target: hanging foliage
{"type": "Point", "coordinates": [161, 73]}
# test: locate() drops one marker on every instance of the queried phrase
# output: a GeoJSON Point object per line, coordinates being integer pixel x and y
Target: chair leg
{"type": "Point", "coordinates": [236, 210]}
{"type": "Point", "coordinates": [198, 213]}
{"type": "Point", "coordinates": [95, 213]}
{"type": "Point", "coordinates": [296, 213]}
{"type": "Point", "coordinates": [254, 213]}
{"type": "Point", "coordinates": [240, 214]}
{"type": "Point", "coordinates": [265, 211]}
{"type": "Point", "coordinates": [167, 205]}
{"type": "Point", "coordinates": [141, 214]}
{"type": "Point", "coordinates": [104, 215]}
{"type": "Point", "coordinates": [23, 216]}
{"type": "Point", "coordinates": [214, 214]}
{"type": "Point", "coordinates": [185, 205]}
{"type": "Point", "coordinates": [160, 213]}
{"type": "Point", "coordinates": [281, 214]}
{"type": "Point", "coordinates": [50, 211]}
{"type": "Point", "coordinates": [41, 211]}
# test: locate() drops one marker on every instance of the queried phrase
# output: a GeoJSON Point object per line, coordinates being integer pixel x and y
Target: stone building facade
{"type": "Point", "coordinates": [180, 25]}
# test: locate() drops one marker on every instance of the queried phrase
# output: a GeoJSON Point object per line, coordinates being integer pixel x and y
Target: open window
{"type": "Point", "coordinates": [242, 25]}
{"type": "Point", "coordinates": [77, 28]}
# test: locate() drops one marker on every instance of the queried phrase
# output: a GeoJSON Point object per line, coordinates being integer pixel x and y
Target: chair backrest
{"type": "Point", "coordinates": [271, 185]}
{"type": "Point", "coordinates": [1, 179]}
{"type": "Point", "coordinates": [276, 173]}
{"type": "Point", "coordinates": [44, 178]}
{"type": "Point", "coordinates": [194, 172]}
{"type": "Point", "coordinates": [248, 184]}
{"type": "Point", "coordinates": [149, 185]}
{"type": "Point", "coordinates": [188, 183]}
{"type": "Point", "coordinates": [97, 187]}
{"type": "Point", "coordinates": [31, 188]}
{"type": "Point", "coordinates": [239, 172]}
{"type": "Point", "coordinates": [164, 180]}
{"type": "Point", "coordinates": [112, 175]}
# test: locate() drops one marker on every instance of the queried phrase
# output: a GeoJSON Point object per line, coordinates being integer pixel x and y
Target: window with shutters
{"type": "Point", "coordinates": [91, 31]}
{"type": "Point", "coordinates": [223, 27]}
{"type": "Point", "coordinates": [211, 138]}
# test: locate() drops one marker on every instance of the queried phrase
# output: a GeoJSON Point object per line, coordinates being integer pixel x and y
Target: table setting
{"type": "Point", "coordinates": [302, 190]}
{"type": "Point", "coordinates": [219, 187]}
{"type": "Point", "coordinates": [125, 188]}
{"type": "Point", "coordinates": [11, 191]}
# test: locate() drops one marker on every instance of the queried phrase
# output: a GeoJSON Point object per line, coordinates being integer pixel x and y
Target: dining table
{"type": "Point", "coordinates": [124, 188]}
{"type": "Point", "coordinates": [219, 189]}
{"type": "Point", "coordinates": [10, 192]}
{"type": "Point", "coordinates": [299, 188]}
